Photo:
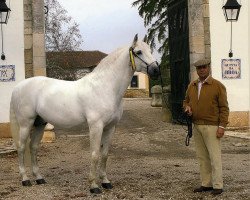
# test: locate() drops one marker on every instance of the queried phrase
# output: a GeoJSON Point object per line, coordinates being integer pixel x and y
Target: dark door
{"type": "Point", "coordinates": [179, 54]}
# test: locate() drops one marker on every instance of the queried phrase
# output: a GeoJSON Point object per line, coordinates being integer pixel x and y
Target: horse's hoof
{"type": "Point", "coordinates": [107, 186]}
{"type": "Point", "coordinates": [95, 191]}
{"type": "Point", "coordinates": [26, 183]}
{"type": "Point", "coordinates": [40, 181]}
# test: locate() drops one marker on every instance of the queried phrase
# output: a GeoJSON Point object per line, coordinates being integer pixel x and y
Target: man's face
{"type": "Point", "coordinates": [203, 71]}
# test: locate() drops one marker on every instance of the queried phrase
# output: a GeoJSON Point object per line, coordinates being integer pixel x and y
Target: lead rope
{"type": "Point", "coordinates": [187, 120]}
{"type": "Point", "coordinates": [190, 129]}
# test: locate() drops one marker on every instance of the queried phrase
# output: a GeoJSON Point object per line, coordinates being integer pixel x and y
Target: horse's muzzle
{"type": "Point", "coordinates": [153, 70]}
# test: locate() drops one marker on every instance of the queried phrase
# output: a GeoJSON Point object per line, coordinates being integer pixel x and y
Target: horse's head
{"type": "Point", "coordinates": [142, 59]}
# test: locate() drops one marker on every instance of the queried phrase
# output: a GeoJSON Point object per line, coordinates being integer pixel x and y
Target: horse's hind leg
{"type": "Point", "coordinates": [24, 134]}
{"type": "Point", "coordinates": [106, 138]}
{"type": "Point", "coordinates": [36, 138]}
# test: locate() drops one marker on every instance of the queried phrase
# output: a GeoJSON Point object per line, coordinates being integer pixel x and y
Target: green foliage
{"type": "Point", "coordinates": [155, 17]}
{"type": "Point", "coordinates": [154, 13]}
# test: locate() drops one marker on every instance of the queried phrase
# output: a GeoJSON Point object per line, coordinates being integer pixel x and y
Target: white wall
{"type": "Point", "coordinates": [13, 43]}
{"type": "Point", "coordinates": [249, 51]}
{"type": "Point", "coordinates": [237, 89]}
{"type": "Point", "coordinates": [143, 82]}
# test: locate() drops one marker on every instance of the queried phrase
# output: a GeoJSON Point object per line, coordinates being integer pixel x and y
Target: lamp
{"type": "Point", "coordinates": [4, 12]}
{"type": "Point", "coordinates": [4, 16]}
{"type": "Point", "coordinates": [231, 12]}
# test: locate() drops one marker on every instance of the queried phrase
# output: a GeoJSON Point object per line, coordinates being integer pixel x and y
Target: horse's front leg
{"type": "Point", "coordinates": [106, 138]}
{"type": "Point", "coordinates": [95, 131]}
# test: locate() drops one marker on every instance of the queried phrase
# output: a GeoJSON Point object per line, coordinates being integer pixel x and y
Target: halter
{"type": "Point", "coordinates": [132, 54]}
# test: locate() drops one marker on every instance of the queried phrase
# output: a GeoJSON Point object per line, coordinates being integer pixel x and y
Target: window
{"type": "Point", "coordinates": [134, 82]}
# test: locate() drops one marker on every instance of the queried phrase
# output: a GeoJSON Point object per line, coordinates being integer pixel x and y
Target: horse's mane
{"type": "Point", "coordinates": [110, 59]}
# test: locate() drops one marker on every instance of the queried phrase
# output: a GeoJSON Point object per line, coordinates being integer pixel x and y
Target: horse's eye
{"type": "Point", "coordinates": [139, 52]}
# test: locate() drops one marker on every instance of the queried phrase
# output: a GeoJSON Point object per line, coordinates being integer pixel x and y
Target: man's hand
{"type": "Point", "coordinates": [188, 110]}
{"type": "Point", "coordinates": [220, 132]}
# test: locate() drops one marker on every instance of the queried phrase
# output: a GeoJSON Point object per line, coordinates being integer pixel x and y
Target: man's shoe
{"type": "Point", "coordinates": [203, 189]}
{"type": "Point", "coordinates": [216, 191]}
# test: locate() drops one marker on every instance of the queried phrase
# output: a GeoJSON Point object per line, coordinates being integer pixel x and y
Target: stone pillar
{"type": "Point", "coordinates": [166, 106]}
{"type": "Point", "coordinates": [156, 92]}
{"type": "Point", "coordinates": [206, 22]}
{"type": "Point", "coordinates": [5, 130]}
{"type": "Point", "coordinates": [49, 134]}
{"type": "Point", "coordinates": [28, 38]}
{"type": "Point", "coordinates": [199, 33]}
{"type": "Point", "coordinates": [39, 59]}
{"type": "Point", "coordinates": [34, 38]}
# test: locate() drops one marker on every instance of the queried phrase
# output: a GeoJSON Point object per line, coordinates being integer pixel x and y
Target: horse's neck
{"type": "Point", "coordinates": [113, 73]}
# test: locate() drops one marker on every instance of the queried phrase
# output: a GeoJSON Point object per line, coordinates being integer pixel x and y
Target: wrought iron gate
{"type": "Point", "coordinates": [179, 53]}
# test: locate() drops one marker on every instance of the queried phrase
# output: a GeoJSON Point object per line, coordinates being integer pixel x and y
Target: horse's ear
{"type": "Point", "coordinates": [135, 40]}
{"type": "Point", "coordinates": [145, 39]}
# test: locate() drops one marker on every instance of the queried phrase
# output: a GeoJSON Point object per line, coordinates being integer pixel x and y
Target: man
{"type": "Point", "coordinates": [206, 101]}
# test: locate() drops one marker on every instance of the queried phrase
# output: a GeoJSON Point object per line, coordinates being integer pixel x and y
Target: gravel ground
{"type": "Point", "coordinates": [148, 160]}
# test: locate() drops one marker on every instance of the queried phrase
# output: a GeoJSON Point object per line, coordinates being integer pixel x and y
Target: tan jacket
{"type": "Point", "coordinates": [212, 107]}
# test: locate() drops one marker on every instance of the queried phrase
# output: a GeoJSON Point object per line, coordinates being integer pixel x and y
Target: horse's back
{"type": "Point", "coordinates": [25, 92]}
{"type": "Point", "coordinates": [30, 83]}
{"type": "Point", "coordinates": [28, 89]}
{"type": "Point", "coordinates": [34, 95]}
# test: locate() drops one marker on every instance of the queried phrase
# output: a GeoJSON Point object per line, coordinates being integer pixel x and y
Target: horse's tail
{"type": "Point", "coordinates": [14, 127]}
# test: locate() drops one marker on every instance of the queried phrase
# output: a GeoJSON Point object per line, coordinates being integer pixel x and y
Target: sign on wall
{"type": "Point", "coordinates": [231, 68]}
{"type": "Point", "coordinates": [7, 73]}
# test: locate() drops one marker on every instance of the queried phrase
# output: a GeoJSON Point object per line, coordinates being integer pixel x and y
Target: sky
{"type": "Point", "coordinates": [106, 25]}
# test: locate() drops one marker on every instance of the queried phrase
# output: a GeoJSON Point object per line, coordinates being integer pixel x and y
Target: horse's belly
{"type": "Point", "coordinates": [66, 118]}
{"type": "Point", "coordinates": [66, 124]}
{"type": "Point", "coordinates": [65, 121]}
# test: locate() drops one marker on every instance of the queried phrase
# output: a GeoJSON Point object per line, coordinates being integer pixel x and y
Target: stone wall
{"type": "Point", "coordinates": [136, 93]}
{"type": "Point", "coordinates": [5, 130]}
{"type": "Point", "coordinates": [239, 119]}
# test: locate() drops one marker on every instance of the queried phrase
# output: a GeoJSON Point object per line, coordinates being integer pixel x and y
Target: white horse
{"type": "Point", "coordinates": [95, 99]}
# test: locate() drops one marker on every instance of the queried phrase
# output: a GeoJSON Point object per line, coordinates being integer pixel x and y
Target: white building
{"type": "Point", "coordinates": [210, 38]}
{"type": "Point", "coordinates": [24, 49]}
{"type": "Point", "coordinates": [237, 84]}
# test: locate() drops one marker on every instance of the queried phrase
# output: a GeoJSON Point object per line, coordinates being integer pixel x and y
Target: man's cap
{"type": "Point", "coordinates": [202, 62]}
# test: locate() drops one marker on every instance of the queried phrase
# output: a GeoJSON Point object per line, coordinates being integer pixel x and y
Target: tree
{"type": "Point", "coordinates": [62, 33]}
{"type": "Point", "coordinates": [155, 17]}
{"type": "Point", "coordinates": [154, 13]}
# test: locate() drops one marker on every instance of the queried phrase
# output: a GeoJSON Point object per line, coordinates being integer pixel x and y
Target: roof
{"type": "Point", "coordinates": [75, 59]}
